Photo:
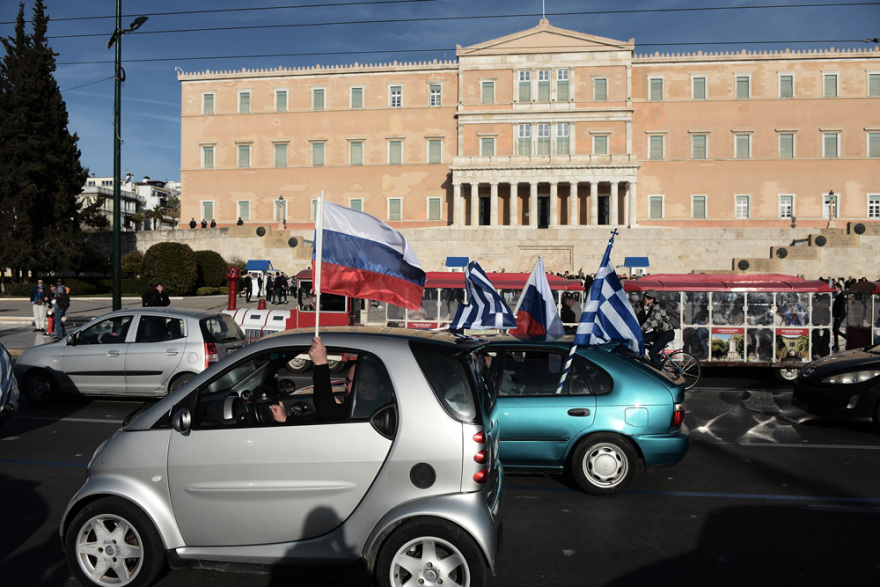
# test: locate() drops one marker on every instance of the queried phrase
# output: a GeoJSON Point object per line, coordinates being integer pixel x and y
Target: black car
{"type": "Point", "coordinates": [844, 385]}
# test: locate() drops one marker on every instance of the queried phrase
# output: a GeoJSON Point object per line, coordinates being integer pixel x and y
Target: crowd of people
{"type": "Point", "coordinates": [50, 304]}
{"type": "Point", "coordinates": [275, 287]}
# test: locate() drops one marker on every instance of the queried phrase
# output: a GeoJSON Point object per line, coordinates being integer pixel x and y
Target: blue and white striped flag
{"type": "Point", "coordinates": [608, 315]}
{"type": "Point", "coordinates": [484, 309]}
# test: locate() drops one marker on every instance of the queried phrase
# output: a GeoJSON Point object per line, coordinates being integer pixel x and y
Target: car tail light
{"type": "Point", "coordinates": [678, 412]}
{"type": "Point", "coordinates": [210, 354]}
{"type": "Point", "coordinates": [482, 457]}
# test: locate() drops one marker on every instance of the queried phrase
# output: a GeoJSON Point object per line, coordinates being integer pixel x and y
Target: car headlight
{"type": "Point", "coordinates": [855, 377]}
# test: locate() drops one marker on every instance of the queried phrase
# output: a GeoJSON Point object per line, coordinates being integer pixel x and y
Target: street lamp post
{"type": "Point", "coordinates": [119, 77]}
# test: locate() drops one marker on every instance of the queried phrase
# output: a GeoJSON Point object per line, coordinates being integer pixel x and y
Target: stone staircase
{"type": "Point", "coordinates": [813, 248]}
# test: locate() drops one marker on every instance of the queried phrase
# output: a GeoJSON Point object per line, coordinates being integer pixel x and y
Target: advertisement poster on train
{"type": "Point", "coordinates": [728, 344]}
{"type": "Point", "coordinates": [792, 344]}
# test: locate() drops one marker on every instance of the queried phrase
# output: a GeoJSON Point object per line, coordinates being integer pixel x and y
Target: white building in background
{"type": "Point", "coordinates": [136, 197]}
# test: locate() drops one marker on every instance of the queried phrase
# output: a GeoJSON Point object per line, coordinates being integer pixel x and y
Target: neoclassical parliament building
{"type": "Point", "coordinates": [541, 129]}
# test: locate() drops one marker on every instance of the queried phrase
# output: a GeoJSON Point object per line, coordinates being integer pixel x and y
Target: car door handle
{"type": "Point", "coordinates": [112, 353]}
{"type": "Point", "coordinates": [579, 412]}
{"type": "Point", "coordinates": [171, 352]}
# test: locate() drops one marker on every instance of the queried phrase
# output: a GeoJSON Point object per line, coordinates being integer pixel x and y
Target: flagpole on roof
{"type": "Point", "coordinates": [319, 251]}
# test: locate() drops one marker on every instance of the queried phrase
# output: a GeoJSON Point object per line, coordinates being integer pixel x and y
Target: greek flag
{"type": "Point", "coordinates": [608, 315]}
{"type": "Point", "coordinates": [484, 308]}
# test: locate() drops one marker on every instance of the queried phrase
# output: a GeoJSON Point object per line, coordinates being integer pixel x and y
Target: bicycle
{"type": "Point", "coordinates": [681, 364]}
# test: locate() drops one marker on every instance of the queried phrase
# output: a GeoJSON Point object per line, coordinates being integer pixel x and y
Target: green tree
{"type": "Point", "coordinates": [171, 264]}
{"type": "Point", "coordinates": [132, 263]}
{"type": "Point", "coordinates": [211, 269]}
{"type": "Point", "coordinates": [40, 170]}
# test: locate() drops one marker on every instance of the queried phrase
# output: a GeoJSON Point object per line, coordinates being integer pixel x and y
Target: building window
{"type": "Point", "coordinates": [698, 88]}
{"type": "Point", "coordinates": [600, 144]}
{"type": "Point", "coordinates": [244, 102]}
{"type": "Point", "coordinates": [281, 155]}
{"type": "Point", "coordinates": [207, 157]}
{"type": "Point", "coordinates": [280, 210]}
{"type": "Point", "coordinates": [600, 89]}
{"type": "Point", "coordinates": [318, 99]}
{"type": "Point", "coordinates": [356, 204]}
{"type": "Point", "coordinates": [524, 144]}
{"type": "Point", "coordinates": [317, 154]}
{"type": "Point", "coordinates": [874, 85]}
{"type": "Point", "coordinates": [244, 156]}
{"type": "Point", "coordinates": [786, 206]}
{"type": "Point", "coordinates": [830, 85]}
{"type": "Point", "coordinates": [356, 153]}
{"type": "Point", "coordinates": [395, 96]}
{"type": "Point", "coordinates": [829, 206]}
{"type": "Point", "coordinates": [562, 92]}
{"type": "Point", "coordinates": [208, 104]}
{"type": "Point", "coordinates": [314, 210]}
{"type": "Point", "coordinates": [655, 147]}
{"type": "Point", "coordinates": [698, 146]}
{"type": "Point", "coordinates": [562, 138]}
{"type": "Point", "coordinates": [525, 86]}
{"type": "Point", "coordinates": [357, 98]}
{"type": "Point", "coordinates": [543, 85]}
{"type": "Point", "coordinates": [487, 146]}
{"type": "Point", "coordinates": [741, 207]}
{"type": "Point", "coordinates": [786, 146]}
{"type": "Point", "coordinates": [698, 206]}
{"type": "Point", "coordinates": [434, 209]}
{"type": "Point", "coordinates": [743, 90]}
{"type": "Point", "coordinates": [435, 151]}
{"type": "Point", "coordinates": [487, 92]}
{"type": "Point", "coordinates": [655, 206]}
{"type": "Point", "coordinates": [208, 211]}
{"type": "Point", "coordinates": [394, 208]}
{"type": "Point", "coordinates": [435, 98]}
{"type": "Point", "coordinates": [742, 146]}
{"type": "Point", "coordinates": [244, 210]}
{"type": "Point", "coordinates": [874, 144]}
{"type": "Point", "coordinates": [543, 146]}
{"type": "Point", "coordinates": [395, 152]}
{"type": "Point", "coordinates": [655, 88]}
{"type": "Point", "coordinates": [874, 206]}
{"type": "Point", "coordinates": [280, 100]}
{"type": "Point", "coordinates": [786, 86]}
{"type": "Point", "coordinates": [830, 145]}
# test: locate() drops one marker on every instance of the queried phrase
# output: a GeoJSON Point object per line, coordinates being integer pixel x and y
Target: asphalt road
{"type": "Point", "coordinates": [767, 495]}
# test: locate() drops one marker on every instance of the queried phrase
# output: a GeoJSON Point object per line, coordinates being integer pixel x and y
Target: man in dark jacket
{"type": "Point", "coordinates": [838, 312]}
{"type": "Point", "coordinates": [62, 303]}
{"type": "Point", "coordinates": [656, 325]}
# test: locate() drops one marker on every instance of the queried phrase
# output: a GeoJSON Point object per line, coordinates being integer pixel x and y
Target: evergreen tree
{"type": "Point", "coordinates": [40, 170]}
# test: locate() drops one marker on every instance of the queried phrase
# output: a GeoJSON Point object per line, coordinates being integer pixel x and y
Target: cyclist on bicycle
{"type": "Point", "coordinates": [656, 325]}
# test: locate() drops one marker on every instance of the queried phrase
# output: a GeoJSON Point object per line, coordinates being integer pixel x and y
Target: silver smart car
{"type": "Point", "coordinates": [139, 352]}
{"type": "Point", "coordinates": [239, 467]}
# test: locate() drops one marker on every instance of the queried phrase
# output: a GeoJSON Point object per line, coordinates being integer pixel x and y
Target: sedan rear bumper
{"type": "Point", "coordinates": [663, 449]}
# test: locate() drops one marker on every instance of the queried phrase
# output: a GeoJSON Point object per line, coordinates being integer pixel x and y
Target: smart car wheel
{"type": "Point", "coordinates": [112, 542]}
{"type": "Point", "coordinates": [298, 365]}
{"type": "Point", "coordinates": [605, 464]}
{"type": "Point", "coordinates": [429, 552]}
{"type": "Point", "coordinates": [40, 386]}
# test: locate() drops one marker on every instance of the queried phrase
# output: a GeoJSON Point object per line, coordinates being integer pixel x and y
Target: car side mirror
{"type": "Point", "coordinates": [182, 421]}
{"type": "Point", "coordinates": [71, 340]}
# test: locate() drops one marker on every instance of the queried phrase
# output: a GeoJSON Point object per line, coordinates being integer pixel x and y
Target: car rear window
{"type": "Point", "coordinates": [446, 372]}
{"type": "Point", "coordinates": [221, 328]}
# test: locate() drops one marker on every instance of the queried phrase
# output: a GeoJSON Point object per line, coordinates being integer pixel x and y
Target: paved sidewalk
{"type": "Point", "coordinates": [17, 320]}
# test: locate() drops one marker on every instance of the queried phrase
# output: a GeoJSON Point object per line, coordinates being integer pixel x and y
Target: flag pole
{"type": "Point", "coordinates": [319, 251]}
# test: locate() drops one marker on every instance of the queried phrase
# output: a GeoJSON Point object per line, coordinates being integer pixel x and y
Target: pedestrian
{"type": "Point", "coordinates": [259, 284]}
{"type": "Point", "coordinates": [161, 296]}
{"type": "Point", "coordinates": [38, 301]}
{"type": "Point", "coordinates": [270, 286]}
{"type": "Point", "coordinates": [149, 297]}
{"type": "Point", "coordinates": [50, 310]}
{"type": "Point", "coordinates": [204, 223]}
{"type": "Point", "coordinates": [285, 286]}
{"type": "Point", "coordinates": [569, 318]}
{"type": "Point", "coordinates": [213, 223]}
{"type": "Point", "coordinates": [192, 223]}
{"type": "Point", "coordinates": [62, 304]}
{"type": "Point", "coordinates": [239, 222]}
{"type": "Point", "coordinates": [838, 313]}
{"type": "Point", "coordinates": [247, 285]}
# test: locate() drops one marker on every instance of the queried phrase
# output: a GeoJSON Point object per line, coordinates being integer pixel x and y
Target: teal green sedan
{"type": "Point", "coordinates": [615, 415]}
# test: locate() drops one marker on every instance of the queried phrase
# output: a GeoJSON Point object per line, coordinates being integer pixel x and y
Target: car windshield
{"type": "Point", "coordinates": [221, 328]}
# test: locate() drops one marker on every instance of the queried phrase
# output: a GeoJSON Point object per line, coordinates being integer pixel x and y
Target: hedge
{"type": "Point", "coordinates": [171, 264]}
{"type": "Point", "coordinates": [211, 269]}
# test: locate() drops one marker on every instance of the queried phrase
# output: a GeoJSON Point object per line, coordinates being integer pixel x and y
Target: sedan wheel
{"type": "Point", "coordinates": [430, 553]}
{"type": "Point", "coordinates": [40, 386]}
{"type": "Point", "coordinates": [111, 542]}
{"type": "Point", "coordinates": [298, 365]}
{"type": "Point", "coordinates": [605, 464]}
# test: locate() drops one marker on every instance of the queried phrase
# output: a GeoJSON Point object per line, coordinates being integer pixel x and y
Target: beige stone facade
{"type": "Point", "coordinates": [546, 130]}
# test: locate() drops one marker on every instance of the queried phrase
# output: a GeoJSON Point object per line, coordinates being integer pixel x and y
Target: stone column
{"type": "Point", "coordinates": [594, 203]}
{"type": "Point", "coordinates": [514, 204]}
{"type": "Point", "coordinates": [613, 220]}
{"type": "Point", "coordinates": [475, 204]}
{"type": "Point", "coordinates": [554, 206]}
{"type": "Point", "coordinates": [458, 205]}
{"type": "Point", "coordinates": [493, 204]}
{"type": "Point", "coordinates": [573, 218]}
{"type": "Point", "coordinates": [533, 204]}
{"type": "Point", "coordinates": [632, 220]}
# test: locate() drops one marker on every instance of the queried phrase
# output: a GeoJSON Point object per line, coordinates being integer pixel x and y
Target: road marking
{"type": "Point", "coordinates": [78, 420]}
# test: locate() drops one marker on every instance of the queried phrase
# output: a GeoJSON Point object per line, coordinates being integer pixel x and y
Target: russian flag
{"type": "Point", "coordinates": [362, 257]}
{"type": "Point", "coordinates": [537, 317]}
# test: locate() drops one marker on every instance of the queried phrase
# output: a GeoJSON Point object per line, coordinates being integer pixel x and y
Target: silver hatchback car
{"type": "Point", "coordinates": [138, 352]}
{"type": "Point", "coordinates": [400, 481]}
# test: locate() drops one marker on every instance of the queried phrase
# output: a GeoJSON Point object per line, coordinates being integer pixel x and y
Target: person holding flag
{"type": "Point", "coordinates": [536, 315]}
{"type": "Point", "coordinates": [484, 307]}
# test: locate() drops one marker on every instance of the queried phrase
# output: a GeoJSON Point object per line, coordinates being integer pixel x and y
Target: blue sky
{"type": "Point", "coordinates": [413, 30]}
